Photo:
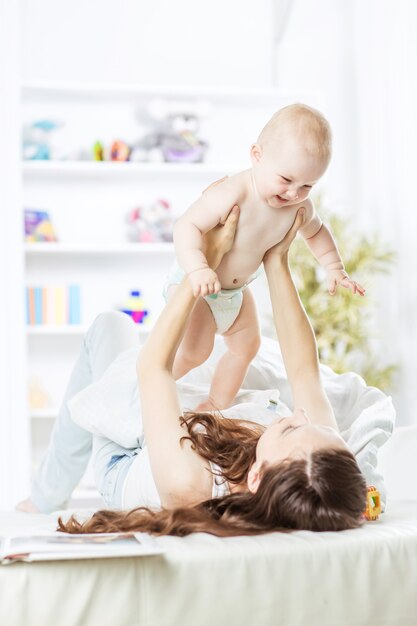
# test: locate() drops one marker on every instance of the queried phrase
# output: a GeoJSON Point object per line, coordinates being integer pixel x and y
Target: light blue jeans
{"type": "Point", "coordinates": [71, 446]}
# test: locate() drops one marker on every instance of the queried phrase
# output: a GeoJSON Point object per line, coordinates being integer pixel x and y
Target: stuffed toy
{"type": "Point", "coordinates": [37, 140]}
{"type": "Point", "coordinates": [174, 135]}
{"type": "Point", "coordinates": [151, 223]}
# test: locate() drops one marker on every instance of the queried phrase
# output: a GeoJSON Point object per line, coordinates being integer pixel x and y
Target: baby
{"type": "Point", "coordinates": [290, 156]}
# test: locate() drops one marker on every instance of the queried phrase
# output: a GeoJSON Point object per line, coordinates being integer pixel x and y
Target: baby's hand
{"type": "Point", "coordinates": [340, 277]}
{"type": "Point", "coordinates": [204, 282]}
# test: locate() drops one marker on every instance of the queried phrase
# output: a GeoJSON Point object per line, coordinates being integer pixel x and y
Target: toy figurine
{"type": "Point", "coordinates": [373, 504]}
{"type": "Point", "coordinates": [37, 140]}
{"type": "Point", "coordinates": [181, 145]}
{"type": "Point", "coordinates": [38, 396]}
{"type": "Point", "coordinates": [174, 134]}
{"type": "Point", "coordinates": [151, 223]}
{"type": "Point", "coordinates": [119, 151]}
{"type": "Point", "coordinates": [134, 307]}
{"type": "Point", "coordinates": [98, 151]}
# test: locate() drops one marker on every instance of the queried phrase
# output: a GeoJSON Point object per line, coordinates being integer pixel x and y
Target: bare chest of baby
{"type": "Point", "coordinates": [260, 227]}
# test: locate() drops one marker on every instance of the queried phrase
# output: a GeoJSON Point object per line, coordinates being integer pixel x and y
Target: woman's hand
{"type": "Point", "coordinates": [219, 240]}
{"type": "Point", "coordinates": [216, 243]}
{"type": "Point", "coordinates": [280, 250]}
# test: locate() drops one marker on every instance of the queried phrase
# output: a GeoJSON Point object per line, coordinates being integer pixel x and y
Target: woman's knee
{"type": "Point", "coordinates": [110, 322]}
{"type": "Point", "coordinates": [112, 318]}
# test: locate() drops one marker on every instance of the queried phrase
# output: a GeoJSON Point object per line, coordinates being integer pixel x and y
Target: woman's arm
{"type": "Point", "coordinates": [295, 334]}
{"type": "Point", "coordinates": [180, 473]}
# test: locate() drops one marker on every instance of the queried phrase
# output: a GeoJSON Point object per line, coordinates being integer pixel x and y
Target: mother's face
{"type": "Point", "coordinates": [293, 437]}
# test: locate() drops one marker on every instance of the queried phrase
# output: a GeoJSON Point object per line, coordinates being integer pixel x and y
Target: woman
{"type": "Point", "coordinates": [233, 477]}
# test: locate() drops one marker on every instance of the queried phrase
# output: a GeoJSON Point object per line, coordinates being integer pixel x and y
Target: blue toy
{"type": "Point", "coordinates": [36, 140]}
{"type": "Point", "coordinates": [134, 307]}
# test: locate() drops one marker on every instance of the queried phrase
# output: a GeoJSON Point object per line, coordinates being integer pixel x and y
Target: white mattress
{"type": "Point", "coordinates": [359, 577]}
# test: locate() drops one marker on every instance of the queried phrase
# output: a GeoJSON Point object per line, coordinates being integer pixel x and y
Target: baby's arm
{"type": "Point", "coordinates": [321, 243]}
{"type": "Point", "coordinates": [210, 209]}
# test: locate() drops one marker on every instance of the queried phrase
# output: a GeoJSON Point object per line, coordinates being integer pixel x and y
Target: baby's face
{"type": "Point", "coordinates": [285, 173]}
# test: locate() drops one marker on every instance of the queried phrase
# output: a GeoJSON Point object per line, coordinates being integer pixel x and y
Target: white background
{"type": "Point", "coordinates": [359, 57]}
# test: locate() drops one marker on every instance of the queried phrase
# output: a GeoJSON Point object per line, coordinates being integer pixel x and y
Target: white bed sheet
{"type": "Point", "coordinates": [358, 577]}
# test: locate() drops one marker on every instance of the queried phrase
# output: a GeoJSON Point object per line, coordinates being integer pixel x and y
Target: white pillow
{"type": "Point", "coordinates": [397, 462]}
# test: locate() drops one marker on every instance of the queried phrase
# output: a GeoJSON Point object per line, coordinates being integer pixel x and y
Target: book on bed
{"type": "Point", "coordinates": [62, 546]}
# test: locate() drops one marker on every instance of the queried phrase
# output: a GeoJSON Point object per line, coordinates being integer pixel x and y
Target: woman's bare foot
{"type": "Point", "coordinates": [26, 506]}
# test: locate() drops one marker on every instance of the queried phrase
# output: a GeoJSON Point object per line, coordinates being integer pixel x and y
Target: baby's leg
{"type": "Point", "coordinates": [242, 341]}
{"type": "Point", "coordinates": [198, 340]}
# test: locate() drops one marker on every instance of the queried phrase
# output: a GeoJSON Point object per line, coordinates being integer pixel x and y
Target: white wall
{"type": "Point", "coordinates": [14, 431]}
{"type": "Point", "coordinates": [362, 56]}
{"type": "Point", "coordinates": [159, 42]}
{"type": "Point", "coordinates": [230, 44]}
{"type": "Point", "coordinates": [314, 54]}
{"type": "Point", "coordinates": [128, 42]}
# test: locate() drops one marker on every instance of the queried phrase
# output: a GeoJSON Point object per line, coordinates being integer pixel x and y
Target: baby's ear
{"type": "Point", "coordinates": [255, 153]}
{"type": "Point", "coordinates": [254, 478]}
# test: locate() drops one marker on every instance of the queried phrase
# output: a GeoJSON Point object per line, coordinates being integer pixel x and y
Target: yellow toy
{"type": "Point", "coordinates": [373, 504]}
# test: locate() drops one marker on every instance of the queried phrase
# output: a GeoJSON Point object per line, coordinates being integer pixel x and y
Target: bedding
{"type": "Point", "coordinates": [350, 578]}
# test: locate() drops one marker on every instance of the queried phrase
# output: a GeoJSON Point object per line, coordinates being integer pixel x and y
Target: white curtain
{"type": "Point", "coordinates": [361, 56]}
{"type": "Point", "coordinates": [14, 423]}
{"type": "Point", "coordinates": [385, 107]}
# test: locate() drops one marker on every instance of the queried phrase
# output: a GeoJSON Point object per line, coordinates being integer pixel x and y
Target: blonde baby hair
{"type": "Point", "coordinates": [306, 123]}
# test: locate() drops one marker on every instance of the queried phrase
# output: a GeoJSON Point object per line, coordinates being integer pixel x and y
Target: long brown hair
{"type": "Point", "coordinates": [327, 492]}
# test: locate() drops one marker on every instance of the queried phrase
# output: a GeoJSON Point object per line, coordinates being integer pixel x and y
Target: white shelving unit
{"type": "Point", "coordinates": [114, 169]}
{"type": "Point", "coordinates": [55, 330]}
{"type": "Point", "coordinates": [47, 413]}
{"type": "Point", "coordinates": [88, 202]}
{"type": "Point", "coordinates": [32, 249]}
{"type": "Point", "coordinates": [244, 98]}
{"type": "Point", "coordinates": [76, 329]}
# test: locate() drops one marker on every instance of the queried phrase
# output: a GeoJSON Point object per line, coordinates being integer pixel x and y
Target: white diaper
{"type": "Point", "coordinates": [225, 305]}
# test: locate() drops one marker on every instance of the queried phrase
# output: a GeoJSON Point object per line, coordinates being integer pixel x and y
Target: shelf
{"type": "Point", "coordinates": [50, 329]}
{"type": "Point", "coordinates": [47, 413]}
{"type": "Point", "coordinates": [239, 96]}
{"type": "Point", "coordinates": [114, 168]}
{"type": "Point", "coordinates": [94, 249]}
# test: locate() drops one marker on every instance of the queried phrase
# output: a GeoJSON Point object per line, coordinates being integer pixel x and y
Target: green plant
{"type": "Point", "coordinates": [342, 323]}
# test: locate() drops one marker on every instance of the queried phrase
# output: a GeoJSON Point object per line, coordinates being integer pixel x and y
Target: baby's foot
{"type": "Point", "coordinates": [26, 506]}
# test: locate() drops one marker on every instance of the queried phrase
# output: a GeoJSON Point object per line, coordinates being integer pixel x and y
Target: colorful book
{"type": "Point", "coordinates": [38, 305]}
{"type": "Point", "coordinates": [30, 301]}
{"type": "Point", "coordinates": [50, 309]}
{"type": "Point", "coordinates": [61, 305]}
{"type": "Point", "coordinates": [74, 304]}
{"type": "Point", "coordinates": [53, 305]}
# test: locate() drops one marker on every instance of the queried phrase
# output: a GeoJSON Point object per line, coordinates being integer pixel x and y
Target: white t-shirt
{"type": "Point", "coordinates": [139, 487]}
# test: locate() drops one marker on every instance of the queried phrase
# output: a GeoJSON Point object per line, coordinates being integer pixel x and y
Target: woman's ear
{"type": "Point", "coordinates": [254, 478]}
{"type": "Point", "coordinates": [255, 153]}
